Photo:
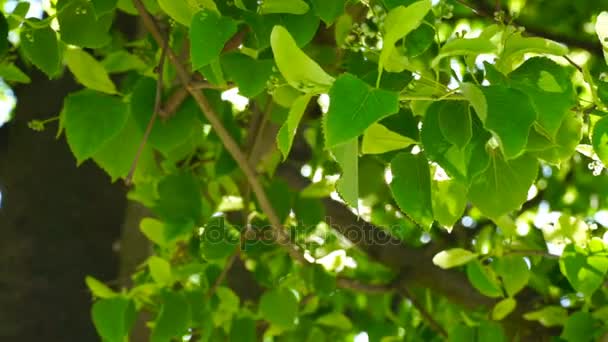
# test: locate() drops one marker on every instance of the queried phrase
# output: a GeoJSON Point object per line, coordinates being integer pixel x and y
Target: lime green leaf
{"type": "Point", "coordinates": [449, 197]}
{"type": "Point", "coordinates": [250, 75]}
{"type": "Point", "coordinates": [456, 124]}
{"type": "Point", "coordinates": [483, 279]}
{"type": "Point", "coordinates": [19, 12]}
{"type": "Point", "coordinates": [490, 331]}
{"type": "Point", "coordinates": [160, 269]}
{"type": "Point", "coordinates": [503, 308]}
{"type": "Point", "coordinates": [299, 70]}
{"type": "Point", "coordinates": [122, 61]}
{"type": "Point", "coordinates": [102, 7]}
{"type": "Point", "coordinates": [549, 88]}
{"type": "Point", "coordinates": [347, 156]}
{"type": "Point", "coordinates": [279, 306]}
{"type": "Point", "coordinates": [79, 24]}
{"type": "Point", "coordinates": [398, 23]}
{"type": "Point", "coordinates": [564, 145]}
{"type": "Point", "coordinates": [504, 185]}
{"type": "Point", "coordinates": [342, 28]}
{"type": "Point", "coordinates": [462, 46]}
{"type": "Point", "coordinates": [88, 71]}
{"type": "Point", "coordinates": [180, 11]}
{"type": "Point", "coordinates": [548, 316]}
{"type": "Point", "coordinates": [290, 126]}
{"type": "Point", "coordinates": [154, 230]}
{"type": "Point", "coordinates": [98, 288]}
{"type": "Point", "coordinates": [600, 139]}
{"type": "Point", "coordinates": [411, 187]}
{"type": "Point", "coordinates": [601, 29]}
{"type": "Point", "coordinates": [580, 327]}
{"type": "Point", "coordinates": [453, 257]}
{"type": "Point", "coordinates": [113, 318]}
{"type": "Point", "coordinates": [514, 273]}
{"type": "Point", "coordinates": [335, 320]}
{"type": "Point", "coordinates": [378, 139]}
{"type": "Point", "coordinates": [11, 73]}
{"type": "Point", "coordinates": [475, 96]}
{"type": "Point", "coordinates": [90, 120]}
{"type": "Point", "coordinates": [510, 116]}
{"type": "Point", "coordinates": [354, 107]}
{"type": "Point", "coordinates": [208, 34]}
{"type": "Point", "coordinates": [173, 319]}
{"type": "Point", "coordinates": [516, 46]}
{"type": "Point", "coordinates": [40, 46]}
{"type": "Point", "coordinates": [584, 273]}
{"type": "Point", "coordinates": [168, 134]}
{"type": "Point", "coordinates": [328, 10]}
{"type": "Point", "coordinates": [284, 6]}
{"type": "Point", "coordinates": [179, 198]}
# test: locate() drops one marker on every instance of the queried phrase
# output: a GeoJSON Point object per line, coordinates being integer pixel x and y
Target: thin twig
{"type": "Point", "coordinates": [573, 63]}
{"type": "Point", "coordinates": [157, 108]}
{"type": "Point", "coordinates": [231, 145]}
{"type": "Point", "coordinates": [531, 252]}
{"type": "Point", "coordinates": [355, 285]}
{"type": "Point", "coordinates": [220, 279]}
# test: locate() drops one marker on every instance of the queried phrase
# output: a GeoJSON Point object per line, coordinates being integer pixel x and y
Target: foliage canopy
{"type": "Point", "coordinates": [404, 170]}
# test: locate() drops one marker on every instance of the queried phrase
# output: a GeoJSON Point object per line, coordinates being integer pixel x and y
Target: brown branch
{"type": "Point", "coordinates": [220, 279]}
{"type": "Point", "coordinates": [230, 144]}
{"type": "Point", "coordinates": [157, 108]}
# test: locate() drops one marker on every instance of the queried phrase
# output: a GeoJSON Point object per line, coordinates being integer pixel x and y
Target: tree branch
{"type": "Point", "coordinates": [229, 143]}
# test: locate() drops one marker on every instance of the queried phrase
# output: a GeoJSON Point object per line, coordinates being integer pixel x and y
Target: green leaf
{"type": "Point", "coordinates": [102, 7]}
{"type": "Point", "coordinates": [462, 333]}
{"type": "Point", "coordinates": [217, 241]}
{"type": "Point", "coordinates": [173, 319]}
{"type": "Point", "coordinates": [90, 120]}
{"type": "Point", "coordinates": [11, 73]}
{"type": "Point", "coordinates": [585, 273]}
{"type": "Point", "coordinates": [462, 164]}
{"type": "Point", "coordinates": [514, 273]}
{"type": "Point", "coordinates": [154, 230]}
{"type": "Point", "coordinates": [328, 10]}
{"type": "Point", "coordinates": [88, 71]}
{"type": "Point", "coordinates": [475, 96]}
{"type": "Point", "coordinates": [449, 197]}
{"type": "Point", "coordinates": [249, 74]}
{"type": "Point", "coordinates": [167, 134]}
{"type": "Point", "coordinates": [548, 316]}
{"type": "Point", "coordinates": [549, 88]}
{"type": "Point", "coordinates": [180, 11]}
{"type": "Point", "coordinates": [580, 327]}
{"type": "Point", "coordinates": [378, 139]}
{"type": "Point", "coordinates": [411, 187]}
{"type": "Point", "coordinates": [179, 198]}
{"type": "Point", "coordinates": [299, 70]}
{"type": "Point", "coordinates": [564, 145]}
{"type": "Point", "coordinates": [483, 279]}
{"type": "Point", "coordinates": [599, 139]}
{"type": "Point", "coordinates": [79, 24]}
{"type": "Point", "coordinates": [279, 306]}
{"type": "Point", "coordinates": [209, 32]}
{"type": "Point", "coordinates": [456, 124]}
{"type": "Point", "coordinates": [39, 45]}
{"type": "Point", "coordinates": [453, 257]}
{"type": "Point", "coordinates": [516, 46]}
{"type": "Point", "coordinates": [335, 320]}
{"type": "Point", "coordinates": [284, 6]}
{"type": "Point", "coordinates": [122, 61]}
{"type": "Point", "coordinates": [243, 330]}
{"type": "Point", "coordinates": [504, 185]}
{"type": "Point", "coordinates": [510, 116]}
{"type": "Point", "coordinates": [503, 308]}
{"type": "Point", "coordinates": [98, 288]}
{"type": "Point", "coordinates": [347, 156]}
{"type": "Point", "coordinates": [601, 29]}
{"type": "Point", "coordinates": [290, 126]}
{"type": "Point", "coordinates": [398, 23]}
{"type": "Point", "coordinates": [160, 270]}
{"type": "Point", "coordinates": [462, 46]}
{"type": "Point", "coordinates": [113, 318]}
{"type": "Point", "coordinates": [354, 107]}
{"type": "Point", "coordinates": [490, 331]}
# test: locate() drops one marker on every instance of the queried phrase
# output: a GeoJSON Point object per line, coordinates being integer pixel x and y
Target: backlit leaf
{"type": "Point", "coordinates": [89, 71]}
{"type": "Point", "coordinates": [411, 187]}
{"type": "Point", "coordinates": [378, 139]}
{"type": "Point", "coordinates": [209, 32]}
{"type": "Point", "coordinates": [453, 257]}
{"type": "Point", "coordinates": [288, 129]}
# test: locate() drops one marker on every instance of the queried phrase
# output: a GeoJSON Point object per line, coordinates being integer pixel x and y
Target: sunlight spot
{"type": "Point", "coordinates": [532, 192]}
{"type": "Point", "coordinates": [318, 176]}
{"type": "Point", "coordinates": [468, 222]}
{"type": "Point", "coordinates": [306, 170]}
{"type": "Point", "coordinates": [523, 228]}
{"type": "Point", "coordinates": [0, 199]}
{"type": "Point", "coordinates": [323, 102]}
{"type": "Point", "coordinates": [425, 238]}
{"type": "Point", "coordinates": [416, 149]}
{"type": "Point", "coordinates": [238, 101]}
{"type": "Point", "coordinates": [361, 337]}
{"type": "Point", "coordinates": [7, 102]}
{"type": "Point", "coordinates": [388, 175]}
{"type": "Point", "coordinates": [601, 217]}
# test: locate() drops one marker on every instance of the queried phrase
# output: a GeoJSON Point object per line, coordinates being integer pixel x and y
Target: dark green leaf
{"type": "Point", "coordinates": [113, 318]}
{"type": "Point", "coordinates": [173, 319]}
{"type": "Point", "coordinates": [514, 273]}
{"type": "Point", "coordinates": [280, 307]}
{"type": "Point", "coordinates": [411, 187]}
{"type": "Point", "coordinates": [40, 46]}
{"type": "Point", "coordinates": [208, 33]}
{"type": "Point", "coordinates": [249, 74]}
{"type": "Point", "coordinates": [580, 327]}
{"type": "Point", "coordinates": [328, 10]}
{"type": "Point", "coordinates": [179, 198]}
{"type": "Point", "coordinates": [80, 25]}
{"type": "Point", "coordinates": [483, 279]}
